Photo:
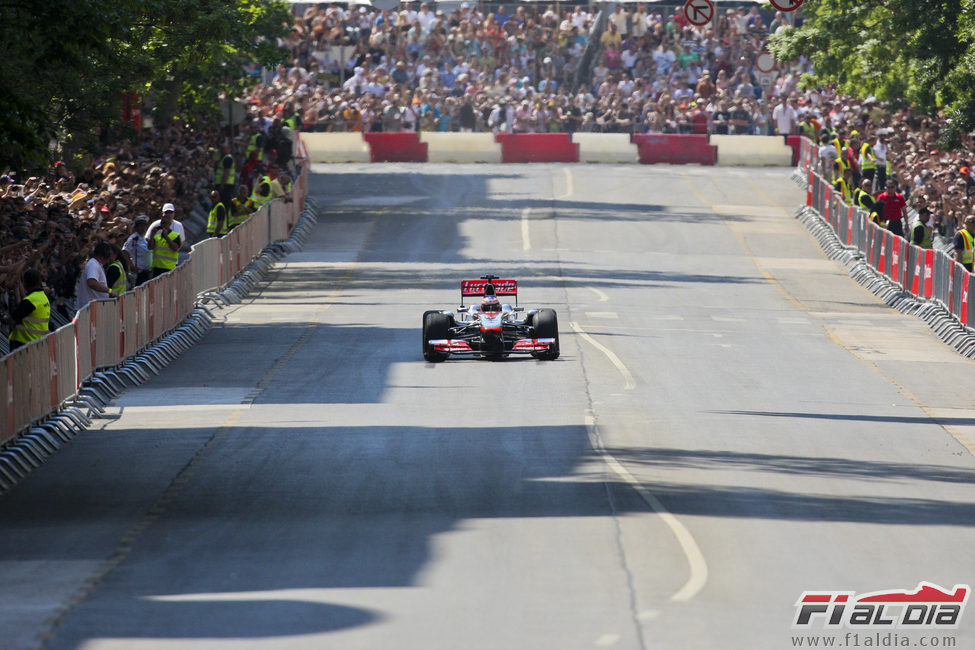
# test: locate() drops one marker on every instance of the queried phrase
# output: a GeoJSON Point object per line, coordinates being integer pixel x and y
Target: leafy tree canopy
{"type": "Point", "coordinates": [910, 52]}
{"type": "Point", "coordinates": [67, 64]}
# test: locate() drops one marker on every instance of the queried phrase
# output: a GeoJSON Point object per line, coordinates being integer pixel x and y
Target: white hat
{"type": "Point", "coordinates": [169, 207]}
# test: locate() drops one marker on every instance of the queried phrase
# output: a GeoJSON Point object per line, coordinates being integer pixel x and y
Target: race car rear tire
{"type": "Point", "coordinates": [546, 324]}
{"type": "Point", "coordinates": [435, 326]}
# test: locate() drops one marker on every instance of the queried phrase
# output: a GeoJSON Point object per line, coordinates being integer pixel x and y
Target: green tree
{"type": "Point", "coordinates": [910, 52]}
{"type": "Point", "coordinates": [67, 64]}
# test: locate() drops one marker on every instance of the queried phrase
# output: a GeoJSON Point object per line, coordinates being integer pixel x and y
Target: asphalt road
{"type": "Point", "coordinates": [732, 421]}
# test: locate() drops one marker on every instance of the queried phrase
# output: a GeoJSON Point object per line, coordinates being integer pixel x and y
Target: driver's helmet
{"type": "Point", "coordinates": [490, 305]}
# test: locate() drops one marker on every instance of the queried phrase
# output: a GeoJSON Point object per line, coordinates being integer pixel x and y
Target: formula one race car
{"type": "Point", "coordinates": [490, 329]}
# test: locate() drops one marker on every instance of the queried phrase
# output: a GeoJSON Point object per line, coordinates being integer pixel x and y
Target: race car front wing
{"type": "Point", "coordinates": [463, 348]}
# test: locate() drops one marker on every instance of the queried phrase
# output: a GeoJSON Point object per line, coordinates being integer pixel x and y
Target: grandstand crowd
{"type": "Point", "coordinates": [478, 67]}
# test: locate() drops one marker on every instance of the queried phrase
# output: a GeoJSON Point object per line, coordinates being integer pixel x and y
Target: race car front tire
{"type": "Point", "coordinates": [435, 326]}
{"type": "Point", "coordinates": [546, 324]}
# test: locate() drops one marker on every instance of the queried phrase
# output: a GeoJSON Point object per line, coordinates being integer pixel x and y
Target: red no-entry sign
{"type": "Point", "coordinates": [786, 5]}
{"type": "Point", "coordinates": [699, 12]}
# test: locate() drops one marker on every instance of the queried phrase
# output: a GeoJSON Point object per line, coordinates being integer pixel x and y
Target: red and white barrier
{"type": "Point", "coordinates": [45, 373]}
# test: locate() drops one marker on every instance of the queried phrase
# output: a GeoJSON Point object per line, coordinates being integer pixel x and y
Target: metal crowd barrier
{"type": "Point", "coordinates": [925, 274]}
{"type": "Point", "coordinates": [44, 375]}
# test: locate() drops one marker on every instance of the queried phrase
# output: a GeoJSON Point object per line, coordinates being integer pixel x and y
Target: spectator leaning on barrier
{"type": "Point", "coordinates": [281, 187]}
{"type": "Point", "coordinates": [92, 283]}
{"type": "Point", "coordinates": [964, 243]}
{"type": "Point", "coordinates": [165, 244]}
{"type": "Point", "coordinates": [863, 196]}
{"type": "Point", "coordinates": [895, 210]}
{"type": "Point", "coordinates": [137, 249]}
{"type": "Point", "coordinates": [922, 234]}
{"type": "Point", "coordinates": [31, 318]}
{"type": "Point", "coordinates": [261, 194]}
{"type": "Point", "coordinates": [240, 207]}
{"type": "Point", "coordinates": [176, 226]}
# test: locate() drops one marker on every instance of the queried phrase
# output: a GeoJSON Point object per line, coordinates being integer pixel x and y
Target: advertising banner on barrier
{"type": "Point", "coordinates": [849, 225]}
{"type": "Point", "coordinates": [66, 354]}
{"type": "Point", "coordinates": [963, 297]}
{"type": "Point", "coordinates": [83, 336]}
{"type": "Point", "coordinates": [51, 343]}
{"type": "Point", "coordinates": [108, 322]}
{"type": "Point", "coordinates": [898, 244]}
{"type": "Point", "coordinates": [969, 318]}
{"type": "Point", "coordinates": [927, 287]}
{"type": "Point", "coordinates": [827, 194]}
{"type": "Point", "coordinates": [39, 389]}
{"type": "Point", "coordinates": [885, 240]}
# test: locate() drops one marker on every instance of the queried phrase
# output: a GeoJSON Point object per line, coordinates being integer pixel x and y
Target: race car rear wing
{"type": "Point", "coordinates": [488, 285]}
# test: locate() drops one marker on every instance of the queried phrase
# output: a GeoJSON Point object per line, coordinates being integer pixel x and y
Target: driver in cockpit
{"type": "Point", "coordinates": [490, 305]}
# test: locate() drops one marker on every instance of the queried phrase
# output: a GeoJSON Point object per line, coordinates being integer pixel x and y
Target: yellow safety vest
{"type": "Point", "coordinates": [163, 257]}
{"type": "Point", "coordinates": [968, 253]}
{"type": "Point", "coordinates": [121, 285]}
{"type": "Point", "coordinates": [238, 217]}
{"type": "Point", "coordinates": [252, 146]}
{"type": "Point", "coordinates": [258, 201]}
{"type": "Point", "coordinates": [867, 159]}
{"type": "Point", "coordinates": [231, 171]}
{"type": "Point", "coordinates": [928, 240]}
{"type": "Point", "coordinates": [213, 221]}
{"type": "Point", "coordinates": [842, 187]}
{"type": "Point", "coordinates": [34, 326]}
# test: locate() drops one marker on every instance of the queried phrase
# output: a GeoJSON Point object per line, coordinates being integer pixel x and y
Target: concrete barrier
{"type": "Point", "coordinates": [606, 148]}
{"type": "Point", "coordinates": [537, 147]}
{"type": "Point", "coordinates": [404, 146]}
{"type": "Point", "coordinates": [336, 147]}
{"type": "Point", "coordinates": [675, 148]}
{"type": "Point", "coordinates": [461, 147]}
{"type": "Point", "coordinates": [752, 150]}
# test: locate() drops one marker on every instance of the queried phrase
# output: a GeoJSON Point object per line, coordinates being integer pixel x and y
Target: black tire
{"type": "Point", "coordinates": [435, 326]}
{"type": "Point", "coordinates": [546, 324]}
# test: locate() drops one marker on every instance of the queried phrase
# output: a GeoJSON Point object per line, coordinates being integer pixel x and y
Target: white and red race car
{"type": "Point", "coordinates": [490, 329]}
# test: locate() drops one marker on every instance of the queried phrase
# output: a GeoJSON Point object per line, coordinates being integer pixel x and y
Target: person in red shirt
{"type": "Point", "coordinates": [895, 208]}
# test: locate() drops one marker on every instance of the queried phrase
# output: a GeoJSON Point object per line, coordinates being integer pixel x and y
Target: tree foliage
{"type": "Point", "coordinates": [66, 65]}
{"type": "Point", "coordinates": [910, 52]}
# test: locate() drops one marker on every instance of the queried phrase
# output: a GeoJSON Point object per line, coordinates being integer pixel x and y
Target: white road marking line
{"type": "Point", "coordinates": [602, 296]}
{"type": "Point", "coordinates": [526, 243]}
{"type": "Point", "coordinates": [695, 558]}
{"type": "Point", "coordinates": [569, 185]}
{"type": "Point", "coordinates": [602, 314]}
{"type": "Point", "coordinates": [615, 360]}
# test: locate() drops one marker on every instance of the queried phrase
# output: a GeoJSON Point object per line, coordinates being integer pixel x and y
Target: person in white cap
{"type": "Point", "coordinates": [176, 227]}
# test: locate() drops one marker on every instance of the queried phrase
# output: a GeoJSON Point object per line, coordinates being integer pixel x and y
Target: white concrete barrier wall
{"type": "Point", "coordinates": [606, 148]}
{"type": "Point", "coordinates": [752, 150]}
{"type": "Point", "coordinates": [336, 147]}
{"type": "Point", "coordinates": [461, 147]}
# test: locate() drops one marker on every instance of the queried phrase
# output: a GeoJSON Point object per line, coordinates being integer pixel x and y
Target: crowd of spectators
{"type": "Point", "coordinates": [52, 222]}
{"type": "Point", "coordinates": [518, 68]}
